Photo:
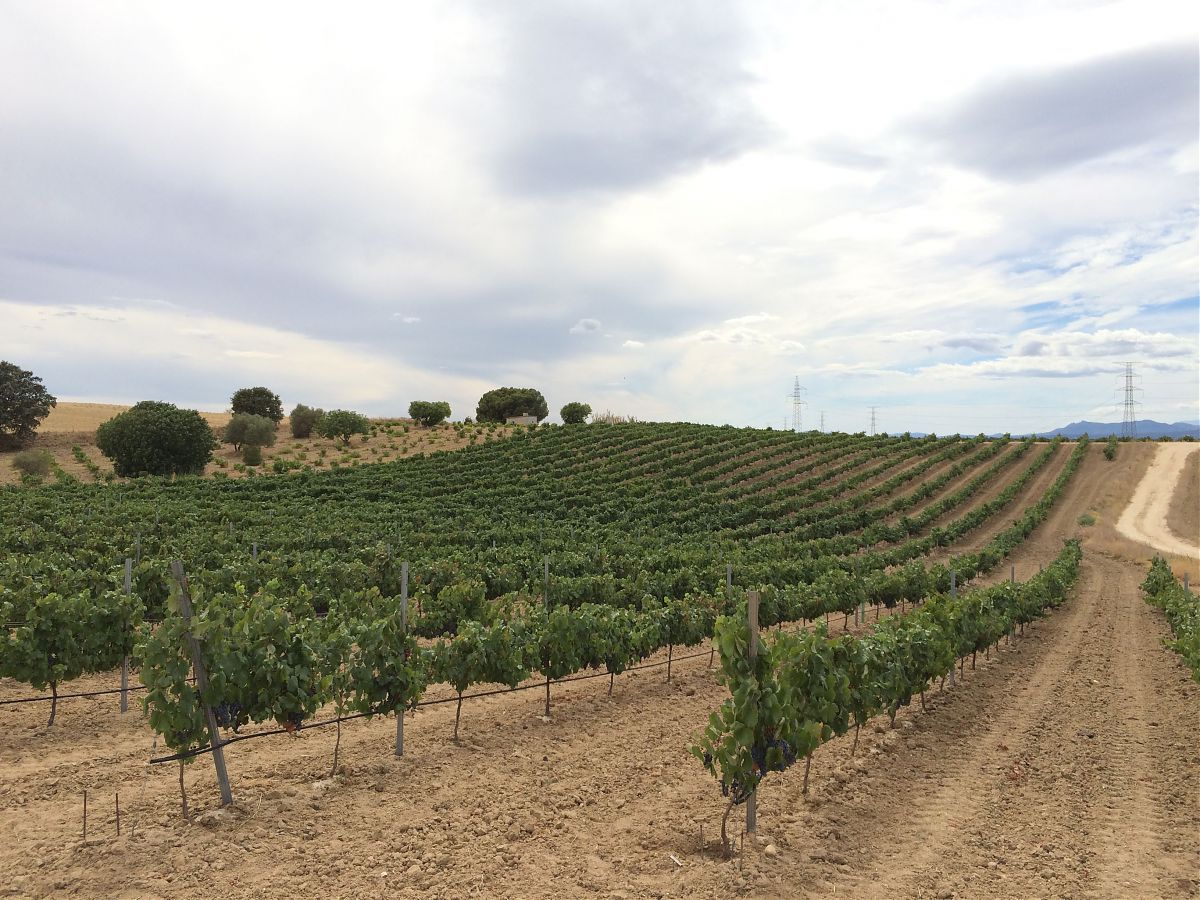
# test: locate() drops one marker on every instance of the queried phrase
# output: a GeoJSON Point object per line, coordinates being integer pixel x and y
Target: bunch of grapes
{"type": "Point", "coordinates": [292, 722]}
{"type": "Point", "coordinates": [227, 714]}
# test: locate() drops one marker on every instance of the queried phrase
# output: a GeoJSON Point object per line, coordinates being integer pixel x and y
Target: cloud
{"type": "Point", "coordinates": [585, 326]}
{"type": "Point", "coordinates": [407, 320]}
{"type": "Point", "coordinates": [1028, 125]}
{"type": "Point", "coordinates": [980, 343]}
{"type": "Point", "coordinates": [602, 95]}
{"type": "Point", "coordinates": [633, 345]}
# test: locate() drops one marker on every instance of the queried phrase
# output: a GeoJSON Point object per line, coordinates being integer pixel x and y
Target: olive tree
{"type": "Point", "coordinates": [429, 412]}
{"type": "Point", "coordinates": [246, 429]}
{"type": "Point", "coordinates": [343, 423]}
{"type": "Point", "coordinates": [304, 420]}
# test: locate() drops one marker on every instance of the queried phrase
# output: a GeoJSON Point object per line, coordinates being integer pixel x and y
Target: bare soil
{"type": "Point", "coordinates": [1065, 765]}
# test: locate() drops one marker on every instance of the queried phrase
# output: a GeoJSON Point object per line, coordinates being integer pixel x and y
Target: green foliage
{"type": "Point", "coordinates": [246, 428]}
{"type": "Point", "coordinates": [1182, 608]}
{"type": "Point", "coordinates": [24, 402]}
{"type": "Point", "coordinates": [1110, 449]}
{"type": "Point", "coordinates": [429, 412]}
{"type": "Point", "coordinates": [388, 670]}
{"type": "Point", "coordinates": [304, 420]}
{"type": "Point", "coordinates": [155, 438]}
{"type": "Point", "coordinates": [252, 455]}
{"type": "Point", "coordinates": [257, 401]}
{"type": "Point", "coordinates": [33, 462]}
{"type": "Point", "coordinates": [575, 413]}
{"type": "Point", "coordinates": [59, 637]}
{"type": "Point", "coordinates": [804, 688]}
{"type": "Point", "coordinates": [500, 404]}
{"type": "Point", "coordinates": [452, 604]}
{"type": "Point", "coordinates": [343, 423]}
{"type": "Point", "coordinates": [1087, 520]}
{"type": "Point", "coordinates": [483, 655]}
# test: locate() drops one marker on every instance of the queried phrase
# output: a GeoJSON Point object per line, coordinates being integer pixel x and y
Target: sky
{"type": "Point", "coordinates": [966, 215]}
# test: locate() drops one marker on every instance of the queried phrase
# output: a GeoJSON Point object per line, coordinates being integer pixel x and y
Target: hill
{"type": "Point", "coordinates": [1146, 428]}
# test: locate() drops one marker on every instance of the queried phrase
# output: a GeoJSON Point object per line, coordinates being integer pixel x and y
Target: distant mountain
{"type": "Point", "coordinates": [1147, 428]}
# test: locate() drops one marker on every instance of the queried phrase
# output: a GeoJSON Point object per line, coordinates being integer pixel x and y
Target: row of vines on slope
{"type": "Point", "coordinates": [803, 689]}
{"type": "Point", "coordinates": [1182, 608]}
{"type": "Point", "coordinates": [54, 639]}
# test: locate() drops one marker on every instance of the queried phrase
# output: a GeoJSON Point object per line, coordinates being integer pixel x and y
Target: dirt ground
{"type": "Point", "coordinates": [74, 424]}
{"type": "Point", "coordinates": [1183, 517]}
{"type": "Point", "coordinates": [1145, 519]}
{"type": "Point", "coordinates": [1065, 765]}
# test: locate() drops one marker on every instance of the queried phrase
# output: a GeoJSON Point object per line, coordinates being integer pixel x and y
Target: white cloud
{"type": "Point", "coordinates": [585, 326]}
{"type": "Point", "coordinates": [309, 187]}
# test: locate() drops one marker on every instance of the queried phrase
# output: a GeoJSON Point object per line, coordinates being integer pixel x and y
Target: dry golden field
{"type": "Point", "coordinates": [72, 425]}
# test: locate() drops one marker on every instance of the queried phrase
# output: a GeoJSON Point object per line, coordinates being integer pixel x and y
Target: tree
{"type": "Point", "coordinates": [155, 438]}
{"type": "Point", "coordinates": [575, 413]}
{"type": "Point", "coordinates": [258, 401]}
{"type": "Point", "coordinates": [248, 429]}
{"type": "Point", "coordinates": [304, 420]}
{"type": "Point", "coordinates": [499, 404]}
{"type": "Point", "coordinates": [429, 412]}
{"type": "Point", "coordinates": [23, 405]}
{"type": "Point", "coordinates": [343, 423]}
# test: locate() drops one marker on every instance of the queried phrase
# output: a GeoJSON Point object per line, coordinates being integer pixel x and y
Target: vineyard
{"type": "Point", "coordinates": [288, 604]}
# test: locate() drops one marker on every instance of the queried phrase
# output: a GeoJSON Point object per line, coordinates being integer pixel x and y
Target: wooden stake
{"type": "Point", "coordinates": [85, 815]}
{"type": "Point", "coordinates": [214, 732]}
{"type": "Point", "coordinates": [125, 660]}
{"type": "Point", "coordinates": [118, 802]}
{"type": "Point", "coordinates": [752, 617]}
{"type": "Point", "coordinates": [404, 628]}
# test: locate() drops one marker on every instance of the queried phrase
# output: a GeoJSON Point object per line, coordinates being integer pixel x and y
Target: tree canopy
{"type": "Point", "coordinates": [258, 401]}
{"type": "Point", "coordinates": [153, 438]}
{"type": "Point", "coordinates": [500, 404]}
{"type": "Point", "coordinates": [24, 402]}
{"type": "Point", "coordinates": [429, 412]}
{"type": "Point", "coordinates": [575, 413]}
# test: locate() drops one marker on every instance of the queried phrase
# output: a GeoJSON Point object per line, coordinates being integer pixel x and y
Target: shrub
{"type": "Point", "coordinates": [33, 462]}
{"type": "Point", "coordinates": [155, 438]}
{"type": "Point", "coordinates": [252, 455]}
{"type": "Point", "coordinates": [343, 423]}
{"type": "Point", "coordinates": [1110, 449]}
{"type": "Point", "coordinates": [23, 405]}
{"type": "Point", "coordinates": [499, 404]}
{"type": "Point", "coordinates": [429, 412]}
{"type": "Point", "coordinates": [246, 429]}
{"type": "Point", "coordinates": [575, 413]}
{"type": "Point", "coordinates": [258, 401]}
{"type": "Point", "coordinates": [304, 420]}
{"type": "Point", "coordinates": [1087, 520]}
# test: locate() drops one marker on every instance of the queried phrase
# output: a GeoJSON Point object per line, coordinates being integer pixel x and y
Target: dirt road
{"type": "Point", "coordinates": [1145, 519]}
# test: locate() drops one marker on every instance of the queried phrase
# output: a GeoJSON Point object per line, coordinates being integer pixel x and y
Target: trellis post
{"type": "Point", "coordinates": [214, 733]}
{"type": "Point", "coordinates": [403, 628]}
{"type": "Point", "coordinates": [752, 617]}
